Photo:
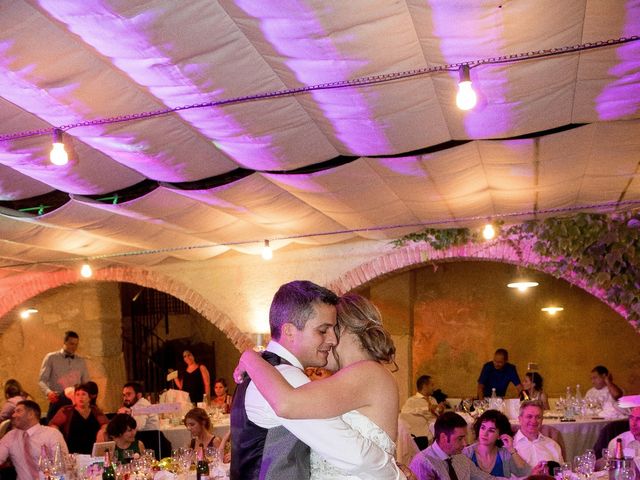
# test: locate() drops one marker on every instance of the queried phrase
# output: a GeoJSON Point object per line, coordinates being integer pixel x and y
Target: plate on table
{"type": "Point", "coordinates": [629, 401]}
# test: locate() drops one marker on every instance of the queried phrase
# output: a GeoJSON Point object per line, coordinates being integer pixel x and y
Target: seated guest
{"type": "Point", "coordinates": [13, 393]}
{"type": "Point", "coordinates": [132, 396]}
{"type": "Point", "coordinates": [498, 374]}
{"type": "Point", "coordinates": [421, 410]}
{"type": "Point", "coordinates": [532, 389]}
{"type": "Point", "coordinates": [604, 392]}
{"type": "Point", "coordinates": [198, 423]}
{"type": "Point", "coordinates": [535, 448]}
{"type": "Point", "coordinates": [442, 459]}
{"type": "Point", "coordinates": [222, 399]}
{"type": "Point", "coordinates": [122, 430]}
{"type": "Point", "coordinates": [92, 388]}
{"type": "Point", "coordinates": [80, 422]}
{"type": "Point", "coordinates": [493, 451]}
{"type": "Point", "coordinates": [28, 434]}
{"type": "Point", "coordinates": [630, 439]}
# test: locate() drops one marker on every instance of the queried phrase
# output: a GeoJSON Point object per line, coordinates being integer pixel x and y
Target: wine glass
{"type": "Point", "coordinates": [628, 471]}
{"type": "Point", "coordinates": [589, 461]}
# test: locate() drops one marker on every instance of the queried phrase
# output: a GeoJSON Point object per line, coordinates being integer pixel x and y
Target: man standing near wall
{"type": "Point", "coordinates": [62, 369]}
{"type": "Point", "coordinates": [498, 374]}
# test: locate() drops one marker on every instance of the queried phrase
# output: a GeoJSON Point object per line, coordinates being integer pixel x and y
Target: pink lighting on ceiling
{"type": "Point", "coordinates": [621, 98]}
{"type": "Point", "coordinates": [127, 39]}
{"type": "Point", "coordinates": [313, 56]}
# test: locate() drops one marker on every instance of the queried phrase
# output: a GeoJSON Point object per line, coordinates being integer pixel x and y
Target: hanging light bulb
{"type": "Point", "coordinates": [552, 310]}
{"type": "Point", "coordinates": [488, 232]}
{"type": "Point", "coordinates": [58, 155]}
{"type": "Point", "coordinates": [267, 253]}
{"type": "Point", "coordinates": [86, 270]}
{"type": "Point", "coordinates": [28, 312]}
{"type": "Point", "coordinates": [466, 98]}
{"type": "Point", "coordinates": [522, 286]}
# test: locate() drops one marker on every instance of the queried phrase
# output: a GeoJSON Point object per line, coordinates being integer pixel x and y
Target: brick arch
{"type": "Point", "coordinates": [39, 283]}
{"type": "Point", "coordinates": [499, 251]}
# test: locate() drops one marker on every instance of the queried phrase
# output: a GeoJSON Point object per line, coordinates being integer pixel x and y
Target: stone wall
{"type": "Point", "coordinates": [458, 314]}
{"type": "Point", "coordinates": [92, 309]}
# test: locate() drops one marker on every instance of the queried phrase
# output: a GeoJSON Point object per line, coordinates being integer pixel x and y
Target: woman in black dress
{"type": "Point", "coordinates": [80, 422]}
{"type": "Point", "coordinates": [195, 379]}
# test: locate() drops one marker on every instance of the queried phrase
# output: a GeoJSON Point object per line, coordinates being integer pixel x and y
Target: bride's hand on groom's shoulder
{"type": "Point", "coordinates": [407, 473]}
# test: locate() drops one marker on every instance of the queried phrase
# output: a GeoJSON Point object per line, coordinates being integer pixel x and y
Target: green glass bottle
{"type": "Point", "coordinates": [108, 472]}
{"type": "Point", "coordinates": [202, 467]}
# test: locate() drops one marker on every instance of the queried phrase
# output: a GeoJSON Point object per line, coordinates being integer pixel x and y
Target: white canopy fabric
{"type": "Point", "coordinates": [549, 133]}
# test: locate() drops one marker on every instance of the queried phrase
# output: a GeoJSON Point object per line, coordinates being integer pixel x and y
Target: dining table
{"type": "Point", "coordinates": [179, 435]}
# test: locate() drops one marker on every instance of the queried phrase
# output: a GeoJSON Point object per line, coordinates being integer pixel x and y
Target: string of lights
{"type": "Point", "coordinates": [462, 67]}
{"type": "Point", "coordinates": [600, 207]}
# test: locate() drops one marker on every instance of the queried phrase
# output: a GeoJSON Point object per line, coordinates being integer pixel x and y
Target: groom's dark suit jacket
{"type": "Point", "coordinates": [264, 454]}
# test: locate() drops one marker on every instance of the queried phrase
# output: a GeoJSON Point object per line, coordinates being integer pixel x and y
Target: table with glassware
{"type": "Point", "coordinates": [179, 435]}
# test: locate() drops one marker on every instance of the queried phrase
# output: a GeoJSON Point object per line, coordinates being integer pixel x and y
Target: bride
{"type": "Point", "coordinates": [363, 391]}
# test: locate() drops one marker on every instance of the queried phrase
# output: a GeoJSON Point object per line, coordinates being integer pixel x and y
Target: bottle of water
{"type": "Point", "coordinates": [493, 401]}
{"type": "Point", "coordinates": [569, 405]}
{"type": "Point", "coordinates": [579, 401]}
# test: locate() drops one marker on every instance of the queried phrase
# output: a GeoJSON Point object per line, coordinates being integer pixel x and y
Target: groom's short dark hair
{"type": "Point", "coordinates": [293, 303]}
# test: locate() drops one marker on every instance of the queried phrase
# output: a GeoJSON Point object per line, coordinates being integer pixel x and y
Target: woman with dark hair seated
{"type": "Point", "coordinates": [80, 422]}
{"type": "Point", "coordinates": [493, 451]}
{"type": "Point", "coordinates": [122, 430]}
{"type": "Point", "coordinates": [532, 389]}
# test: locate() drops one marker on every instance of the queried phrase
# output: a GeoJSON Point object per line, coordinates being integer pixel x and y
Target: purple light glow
{"type": "Point", "coordinates": [196, 77]}
{"type": "Point", "coordinates": [315, 56]}
{"type": "Point", "coordinates": [621, 98]}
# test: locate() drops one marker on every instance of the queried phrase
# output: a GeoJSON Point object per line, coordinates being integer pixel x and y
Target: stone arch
{"type": "Point", "coordinates": [40, 283]}
{"type": "Point", "coordinates": [412, 255]}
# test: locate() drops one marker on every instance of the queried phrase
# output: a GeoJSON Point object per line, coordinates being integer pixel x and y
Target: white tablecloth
{"type": "Point", "coordinates": [179, 435]}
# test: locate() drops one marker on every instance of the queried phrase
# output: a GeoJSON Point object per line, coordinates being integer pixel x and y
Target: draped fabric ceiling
{"type": "Point", "coordinates": [550, 133]}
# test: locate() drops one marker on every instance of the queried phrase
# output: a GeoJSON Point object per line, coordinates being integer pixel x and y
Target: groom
{"type": "Point", "coordinates": [264, 446]}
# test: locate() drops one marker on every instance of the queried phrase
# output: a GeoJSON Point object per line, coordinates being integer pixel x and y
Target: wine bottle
{"type": "Point", "coordinates": [202, 467]}
{"type": "Point", "coordinates": [616, 464]}
{"type": "Point", "coordinates": [108, 472]}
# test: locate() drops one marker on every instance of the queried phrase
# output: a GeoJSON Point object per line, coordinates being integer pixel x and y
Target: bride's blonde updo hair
{"type": "Point", "coordinates": [361, 317]}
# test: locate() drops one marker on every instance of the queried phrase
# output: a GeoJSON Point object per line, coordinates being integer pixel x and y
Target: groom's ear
{"type": "Point", "coordinates": [287, 330]}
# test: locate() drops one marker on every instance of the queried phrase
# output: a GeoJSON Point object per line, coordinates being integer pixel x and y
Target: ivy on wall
{"type": "Point", "coordinates": [602, 249]}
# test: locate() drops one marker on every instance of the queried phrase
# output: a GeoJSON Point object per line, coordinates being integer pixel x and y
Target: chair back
{"type": "Point", "coordinates": [5, 426]}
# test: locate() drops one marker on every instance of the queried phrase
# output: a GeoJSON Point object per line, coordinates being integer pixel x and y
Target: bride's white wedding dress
{"type": "Point", "coordinates": [323, 470]}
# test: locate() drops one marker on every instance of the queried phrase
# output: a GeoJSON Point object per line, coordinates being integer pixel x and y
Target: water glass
{"type": "Point", "coordinates": [606, 456]}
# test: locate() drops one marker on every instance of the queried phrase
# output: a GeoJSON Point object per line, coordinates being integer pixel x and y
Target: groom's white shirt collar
{"type": "Point", "coordinates": [438, 451]}
{"type": "Point", "coordinates": [282, 352]}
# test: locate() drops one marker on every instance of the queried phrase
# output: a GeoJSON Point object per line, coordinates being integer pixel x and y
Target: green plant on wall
{"type": "Point", "coordinates": [603, 249]}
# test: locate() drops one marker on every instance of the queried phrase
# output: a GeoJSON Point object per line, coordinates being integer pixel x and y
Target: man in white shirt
{"type": "Point", "coordinates": [604, 392]}
{"type": "Point", "coordinates": [532, 446]}
{"type": "Point", "coordinates": [132, 400]}
{"type": "Point", "coordinates": [302, 320]}
{"type": "Point", "coordinates": [23, 444]}
{"type": "Point", "coordinates": [60, 370]}
{"type": "Point", "coordinates": [420, 411]}
{"type": "Point", "coordinates": [630, 439]}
